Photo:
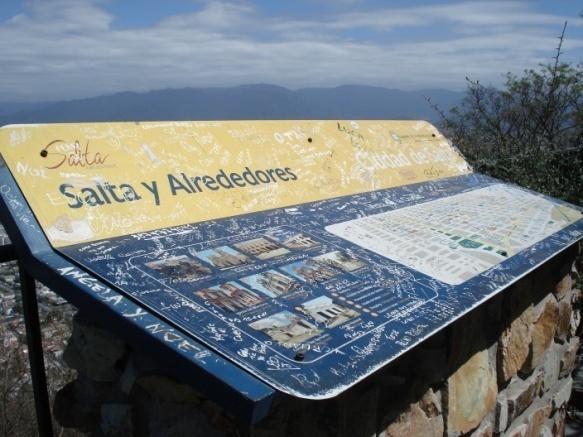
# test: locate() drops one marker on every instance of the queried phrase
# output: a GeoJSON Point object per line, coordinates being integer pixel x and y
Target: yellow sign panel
{"type": "Point", "coordinates": [87, 182]}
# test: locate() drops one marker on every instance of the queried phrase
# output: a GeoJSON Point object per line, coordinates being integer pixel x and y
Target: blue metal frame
{"type": "Point", "coordinates": [35, 353]}
{"type": "Point", "coordinates": [241, 394]}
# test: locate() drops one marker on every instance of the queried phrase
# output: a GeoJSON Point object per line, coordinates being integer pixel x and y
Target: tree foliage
{"type": "Point", "coordinates": [529, 132]}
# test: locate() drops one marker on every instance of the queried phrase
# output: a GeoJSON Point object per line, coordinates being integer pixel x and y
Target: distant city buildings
{"type": "Point", "coordinates": [7, 306]}
{"type": "Point", "coordinates": [54, 314]}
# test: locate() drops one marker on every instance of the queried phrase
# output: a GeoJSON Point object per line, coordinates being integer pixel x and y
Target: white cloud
{"type": "Point", "coordinates": [61, 16]}
{"type": "Point", "coordinates": [70, 48]}
{"type": "Point", "coordinates": [217, 15]}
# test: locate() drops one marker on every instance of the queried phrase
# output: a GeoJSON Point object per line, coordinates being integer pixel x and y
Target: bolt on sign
{"type": "Point", "coordinates": [309, 253]}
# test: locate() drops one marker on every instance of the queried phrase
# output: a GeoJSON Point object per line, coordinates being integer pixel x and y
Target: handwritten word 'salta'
{"type": "Point", "coordinates": [73, 155]}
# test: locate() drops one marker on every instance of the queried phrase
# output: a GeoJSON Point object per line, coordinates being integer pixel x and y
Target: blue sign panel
{"type": "Point", "coordinates": [315, 297]}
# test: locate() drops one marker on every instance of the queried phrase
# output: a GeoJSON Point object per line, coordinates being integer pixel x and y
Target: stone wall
{"type": "Point", "coordinates": [503, 369]}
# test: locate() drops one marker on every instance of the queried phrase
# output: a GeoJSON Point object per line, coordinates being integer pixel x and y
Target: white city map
{"type": "Point", "coordinates": [455, 238]}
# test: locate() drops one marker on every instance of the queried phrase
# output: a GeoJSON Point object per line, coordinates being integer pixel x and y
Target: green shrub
{"type": "Point", "coordinates": [529, 132]}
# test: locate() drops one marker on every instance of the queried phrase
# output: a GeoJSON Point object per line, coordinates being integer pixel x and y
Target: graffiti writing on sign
{"type": "Point", "coordinates": [72, 154]}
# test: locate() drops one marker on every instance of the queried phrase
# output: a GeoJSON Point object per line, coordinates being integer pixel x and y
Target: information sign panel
{"type": "Point", "coordinates": [309, 253]}
{"type": "Point", "coordinates": [87, 182]}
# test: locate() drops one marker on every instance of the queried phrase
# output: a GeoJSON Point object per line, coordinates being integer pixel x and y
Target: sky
{"type": "Point", "coordinates": [67, 49]}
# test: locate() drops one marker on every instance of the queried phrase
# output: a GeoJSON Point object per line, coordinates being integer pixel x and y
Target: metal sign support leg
{"type": "Point", "coordinates": [35, 353]}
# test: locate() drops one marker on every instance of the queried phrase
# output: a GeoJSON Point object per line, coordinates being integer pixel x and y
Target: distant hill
{"type": "Point", "coordinates": [7, 108]}
{"type": "Point", "coordinates": [242, 102]}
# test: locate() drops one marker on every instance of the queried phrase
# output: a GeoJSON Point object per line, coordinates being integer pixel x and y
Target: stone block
{"type": "Point", "coordinates": [94, 351]}
{"type": "Point", "coordinates": [72, 412]}
{"type": "Point", "coordinates": [128, 377]}
{"type": "Point", "coordinates": [501, 421]}
{"type": "Point", "coordinates": [562, 393]}
{"type": "Point", "coordinates": [430, 403]}
{"type": "Point", "coordinates": [415, 422]}
{"type": "Point", "coordinates": [92, 391]}
{"type": "Point", "coordinates": [576, 296]}
{"type": "Point", "coordinates": [564, 286]}
{"type": "Point", "coordinates": [565, 311]}
{"type": "Point", "coordinates": [514, 345]}
{"type": "Point", "coordinates": [167, 390]}
{"type": "Point", "coordinates": [421, 418]}
{"type": "Point", "coordinates": [535, 418]}
{"type": "Point", "coordinates": [486, 429]}
{"type": "Point", "coordinates": [517, 431]}
{"type": "Point", "coordinates": [543, 332]}
{"type": "Point", "coordinates": [546, 431]}
{"type": "Point", "coordinates": [168, 419]}
{"type": "Point", "coordinates": [539, 376]}
{"type": "Point", "coordinates": [575, 322]}
{"type": "Point", "coordinates": [116, 419]}
{"type": "Point", "coordinates": [471, 393]}
{"type": "Point", "coordinates": [551, 366]}
{"type": "Point", "coordinates": [78, 404]}
{"type": "Point", "coordinates": [569, 358]}
{"type": "Point", "coordinates": [521, 393]}
{"type": "Point", "coordinates": [558, 423]}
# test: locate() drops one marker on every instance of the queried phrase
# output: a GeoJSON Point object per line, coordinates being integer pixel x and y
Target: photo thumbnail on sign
{"type": "Point", "coordinates": [291, 238]}
{"type": "Point", "coordinates": [341, 261]}
{"type": "Point", "coordinates": [177, 269]}
{"type": "Point", "coordinates": [261, 248]}
{"type": "Point", "coordinates": [223, 257]}
{"type": "Point", "coordinates": [324, 310]}
{"type": "Point", "coordinates": [230, 296]}
{"type": "Point", "coordinates": [271, 283]}
{"type": "Point", "coordinates": [311, 270]}
{"type": "Point", "coordinates": [286, 328]}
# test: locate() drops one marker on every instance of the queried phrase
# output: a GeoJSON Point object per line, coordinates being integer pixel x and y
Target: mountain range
{"type": "Point", "coordinates": [262, 102]}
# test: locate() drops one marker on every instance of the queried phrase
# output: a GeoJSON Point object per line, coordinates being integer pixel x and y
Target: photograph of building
{"type": "Point", "coordinates": [230, 296]}
{"type": "Point", "coordinates": [271, 283]}
{"type": "Point", "coordinates": [291, 238]}
{"type": "Point", "coordinates": [341, 260]}
{"type": "Point", "coordinates": [176, 269]}
{"type": "Point", "coordinates": [324, 310]}
{"type": "Point", "coordinates": [262, 248]}
{"type": "Point", "coordinates": [311, 270]}
{"type": "Point", "coordinates": [223, 257]}
{"type": "Point", "coordinates": [286, 328]}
